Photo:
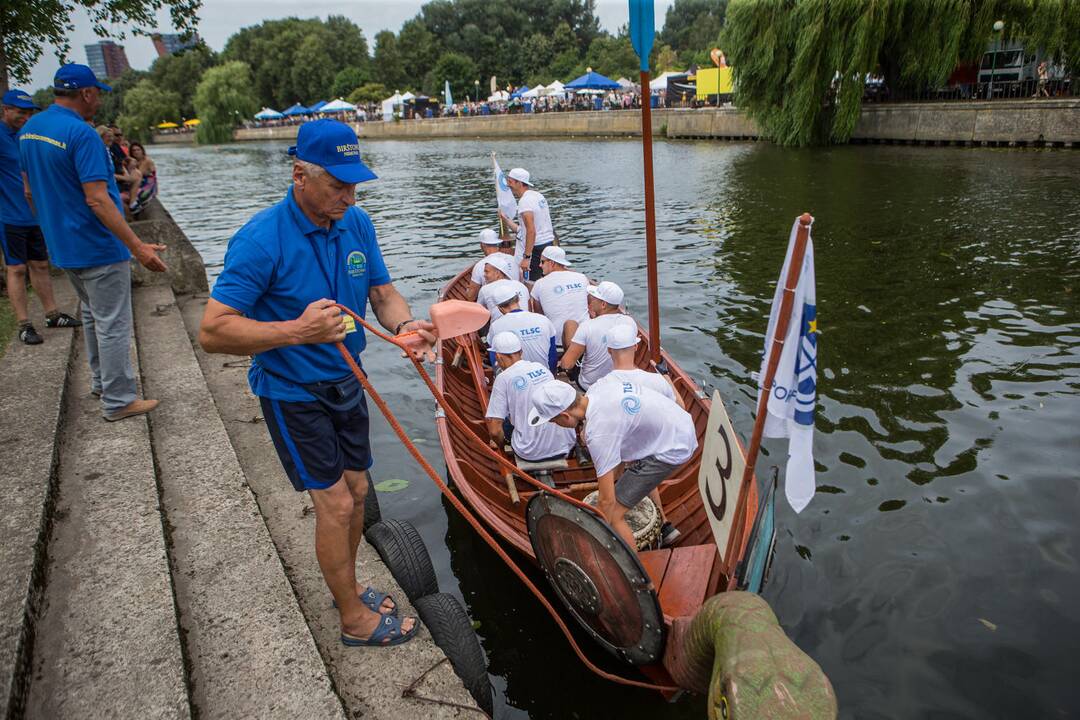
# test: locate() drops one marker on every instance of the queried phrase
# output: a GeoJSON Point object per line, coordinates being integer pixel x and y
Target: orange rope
{"type": "Point", "coordinates": [460, 506]}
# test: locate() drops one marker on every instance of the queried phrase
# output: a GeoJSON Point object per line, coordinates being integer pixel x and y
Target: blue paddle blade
{"type": "Point", "coordinates": [642, 29]}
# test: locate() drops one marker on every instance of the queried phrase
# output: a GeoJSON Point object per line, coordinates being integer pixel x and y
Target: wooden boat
{"type": "Point", "coordinates": [639, 611]}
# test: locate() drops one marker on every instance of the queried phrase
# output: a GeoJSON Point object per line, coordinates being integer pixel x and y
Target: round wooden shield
{"type": "Point", "coordinates": [598, 578]}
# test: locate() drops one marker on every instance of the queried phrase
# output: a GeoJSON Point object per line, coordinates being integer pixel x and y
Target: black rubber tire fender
{"type": "Point", "coordinates": [453, 632]}
{"type": "Point", "coordinates": [403, 551]}
{"type": "Point", "coordinates": [372, 512]}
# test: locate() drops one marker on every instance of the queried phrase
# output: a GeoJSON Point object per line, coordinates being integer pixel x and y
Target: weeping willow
{"type": "Point", "coordinates": [800, 65]}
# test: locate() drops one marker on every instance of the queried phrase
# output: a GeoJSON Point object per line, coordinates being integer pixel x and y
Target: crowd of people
{"type": "Point", "coordinates": [61, 189]}
{"type": "Point", "coordinates": [563, 354]}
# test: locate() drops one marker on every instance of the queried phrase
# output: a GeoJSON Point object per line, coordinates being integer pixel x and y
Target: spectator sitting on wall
{"type": "Point", "coordinates": [148, 182]}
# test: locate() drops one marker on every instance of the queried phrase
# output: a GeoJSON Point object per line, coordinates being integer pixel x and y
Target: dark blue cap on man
{"type": "Point", "coordinates": [75, 77]}
{"type": "Point", "coordinates": [333, 146]}
{"type": "Point", "coordinates": [19, 99]}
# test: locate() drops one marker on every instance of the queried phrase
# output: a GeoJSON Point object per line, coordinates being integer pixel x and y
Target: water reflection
{"type": "Point", "coordinates": [949, 373]}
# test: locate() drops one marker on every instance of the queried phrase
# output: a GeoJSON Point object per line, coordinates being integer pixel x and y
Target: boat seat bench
{"type": "Point", "coordinates": [681, 576]}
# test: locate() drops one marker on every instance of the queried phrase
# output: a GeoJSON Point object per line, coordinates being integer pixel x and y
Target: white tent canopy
{"type": "Point", "coordinates": [388, 106]}
{"type": "Point", "coordinates": [535, 92]}
{"type": "Point", "coordinates": [499, 96]}
{"type": "Point", "coordinates": [338, 105]}
{"type": "Point", "coordinates": [660, 83]}
{"type": "Point", "coordinates": [407, 96]}
{"type": "Point", "coordinates": [624, 83]}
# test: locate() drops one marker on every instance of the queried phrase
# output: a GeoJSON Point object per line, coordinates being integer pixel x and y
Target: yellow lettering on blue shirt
{"type": "Point", "coordinates": [42, 138]}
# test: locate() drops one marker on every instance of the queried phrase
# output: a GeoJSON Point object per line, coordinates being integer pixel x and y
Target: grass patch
{"type": "Point", "coordinates": [7, 324]}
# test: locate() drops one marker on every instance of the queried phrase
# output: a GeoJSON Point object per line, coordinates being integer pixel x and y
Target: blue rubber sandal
{"type": "Point", "coordinates": [389, 627]}
{"type": "Point", "coordinates": [373, 600]}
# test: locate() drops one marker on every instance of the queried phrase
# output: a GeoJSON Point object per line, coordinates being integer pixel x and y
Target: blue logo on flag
{"type": "Point", "coordinates": [806, 367]}
{"type": "Point", "coordinates": [502, 182]}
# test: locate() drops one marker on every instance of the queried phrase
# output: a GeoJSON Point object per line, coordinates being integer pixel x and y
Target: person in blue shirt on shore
{"type": "Point", "coordinates": [24, 245]}
{"type": "Point", "coordinates": [275, 299]}
{"type": "Point", "coordinates": [69, 177]}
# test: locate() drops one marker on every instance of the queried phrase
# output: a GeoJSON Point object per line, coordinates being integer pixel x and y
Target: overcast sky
{"type": "Point", "coordinates": [219, 19]}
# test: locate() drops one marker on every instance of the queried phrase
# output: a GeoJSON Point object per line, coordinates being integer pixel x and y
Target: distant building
{"type": "Point", "coordinates": [107, 59]}
{"type": "Point", "coordinates": [169, 43]}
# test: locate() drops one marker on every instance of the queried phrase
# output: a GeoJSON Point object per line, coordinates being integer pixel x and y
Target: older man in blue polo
{"type": "Point", "coordinates": [275, 299]}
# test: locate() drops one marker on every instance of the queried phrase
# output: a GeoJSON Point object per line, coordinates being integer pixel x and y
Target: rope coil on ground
{"type": "Point", "coordinates": [460, 506]}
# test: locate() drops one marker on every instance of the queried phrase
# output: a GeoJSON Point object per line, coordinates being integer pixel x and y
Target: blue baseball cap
{"type": "Point", "coordinates": [75, 77]}
{"type": "Point", "coordinates": [333, 146]}
{"type": "Point", "coordinates": [19, 99]}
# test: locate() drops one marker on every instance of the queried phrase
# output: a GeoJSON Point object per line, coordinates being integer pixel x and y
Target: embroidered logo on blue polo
{"type": "Point", "coordinates": [520, 383]}
{"type": "Point", "coordinates": [356, 263]}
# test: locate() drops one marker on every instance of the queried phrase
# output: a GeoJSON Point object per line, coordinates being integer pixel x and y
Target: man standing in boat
{"type": "Point", "coordinates": [535, 231]}
{"type": "Point", "coordinates": [275, 299]}
{"type": "Point", "coordinates": [624, 424]}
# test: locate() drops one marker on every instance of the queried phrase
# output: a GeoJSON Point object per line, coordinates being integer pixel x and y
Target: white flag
{"type": "Point", "coordinates": [506, 199]}
{"type": "Point", "coordinates": [446, 93]}
{"type": "Point", "coordinates": [794, 391]}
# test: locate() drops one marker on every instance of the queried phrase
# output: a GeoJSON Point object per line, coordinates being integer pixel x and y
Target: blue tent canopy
{"type": "Point", "coordinates": [317, 106]}
{"type": "Point", "coordinates": [519, 92]}
{"type": "Point", "coordinates": [296, 109]}
{"type": "Point", "coordinates": [592, 81]}
{"type": "Point", "coordinates": [268, 114]}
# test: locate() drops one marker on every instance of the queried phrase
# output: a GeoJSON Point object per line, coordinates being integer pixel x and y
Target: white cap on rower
{"type": "Point", "coordinates": [549, 400]}
{"type": "Point", "coordinates": [555, 254]}
{"type": "Point", "coordinates": [502, 291]}
{"type": "Point", "coordinates": [506, 343]}
{"type": "Point", "coordinates": [607, 291]}
{"type": "Point", "coordinates": [503, 263]}
{"type": "Point", "coordinates": [621, 335]}
{"type": "Point", "coordinates": [521, 175]}
{"type": "Point", "coordinates": [489, 237]}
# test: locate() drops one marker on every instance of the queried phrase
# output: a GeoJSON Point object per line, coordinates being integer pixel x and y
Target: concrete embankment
{"type": "Point", "coordinates": [1054, 122]}
{"type": "Point", "coordinates": [147, 573]}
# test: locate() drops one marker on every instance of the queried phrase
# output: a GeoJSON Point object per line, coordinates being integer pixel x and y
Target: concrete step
{"type": "Point", "coordinates": [32, 382]}
{"type": "Point", "coordinates": [250, 651]}
{"type": "Point", "coordinates": [370, 680]}
{"type": "Point", "coordinates": [106, 643]}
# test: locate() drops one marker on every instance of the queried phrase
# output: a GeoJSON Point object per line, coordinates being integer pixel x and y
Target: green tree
{"type": "Point", "coordinates": [387, 66]}
{"type": "Point", "coordinates": [692, 27]}
{"type": "Point", "coordinates": [43, 97]}
{"type": "Point", "coordinates": [459, 69]}
{"type": "Point", "coordinates": [419, 50]}
{"type": "Point", "coordinates": [667, 59]}
{"type": "Point", "coordinates": [348, 80]}
{"type": "Point", "coordinates": [611, 56]}
{"type": "Point", "coordinates": [146, 105]}
{"type": "Point", "coordinates": [296, 60]}
{"type": "Point", "coordinates": [368, 93]}
{"type": "Point", "coordinates": [27, 26]}
{"type": "Point", "coordinates": [180, 73]}
{"type": "Point", "coordinates": [223, 98]}
{"type": "Point", "coordinates": [800, 66]}
{"type": "Point", "coordinates": [112, 103]}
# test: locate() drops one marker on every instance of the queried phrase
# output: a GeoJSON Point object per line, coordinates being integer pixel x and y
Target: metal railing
{"type": "Point", "coordinates": [997, 90]}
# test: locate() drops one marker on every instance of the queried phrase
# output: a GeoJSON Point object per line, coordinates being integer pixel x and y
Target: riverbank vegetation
{"type": "Point", "coordinates": [800, 67]}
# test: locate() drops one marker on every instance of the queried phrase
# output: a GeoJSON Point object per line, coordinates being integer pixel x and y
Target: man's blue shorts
{"type": "Point", "coordinates": [316, 443]}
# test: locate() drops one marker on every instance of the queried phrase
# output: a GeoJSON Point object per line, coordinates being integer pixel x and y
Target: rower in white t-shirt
{"type": "Point", "coordinates": [490, 243]}
{"type": "Point", "coordinates": [510, 400]}
{"type": "Point", "coordinates": [589, 342]}
{"type": "Point", "coordinates": [499, 268]}
{"type": "Point", "coordinates": [534, 217]}
{"type": "Point", "coordinates": [536, 333]}
{"type": "Point", "coordinates": [561, 294]}
{"type": "Point", "coordinates": [621, 343]}
{"type": "Point", "coordinates": [629, 424]}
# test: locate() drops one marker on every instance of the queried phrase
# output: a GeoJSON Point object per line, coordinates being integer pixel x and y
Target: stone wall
{"type": "Point", "coordinates": [1049, 121]}
{"type": "Point", "coordinates": [186, 273]}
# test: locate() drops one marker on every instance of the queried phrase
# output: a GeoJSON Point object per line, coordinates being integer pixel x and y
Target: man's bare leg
{"type": "Point", "coordinates": [16, 287]}
{"type": "Point", "coordinates": [357, 480]}
{"type": "Point", "coordinates": [42, 282]}
{"type": "Point", "coordinates": [614, 512]}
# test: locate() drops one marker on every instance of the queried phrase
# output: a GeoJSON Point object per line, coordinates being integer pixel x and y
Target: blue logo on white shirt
{"type": "Point", "coordinates": [520, 383]}
{"type": "Point", "coordinates": [559, 290]}
{"type": "Point", "coordinates": [631, 404]}
{"type": "Point", "coordinates": [527, 332]}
